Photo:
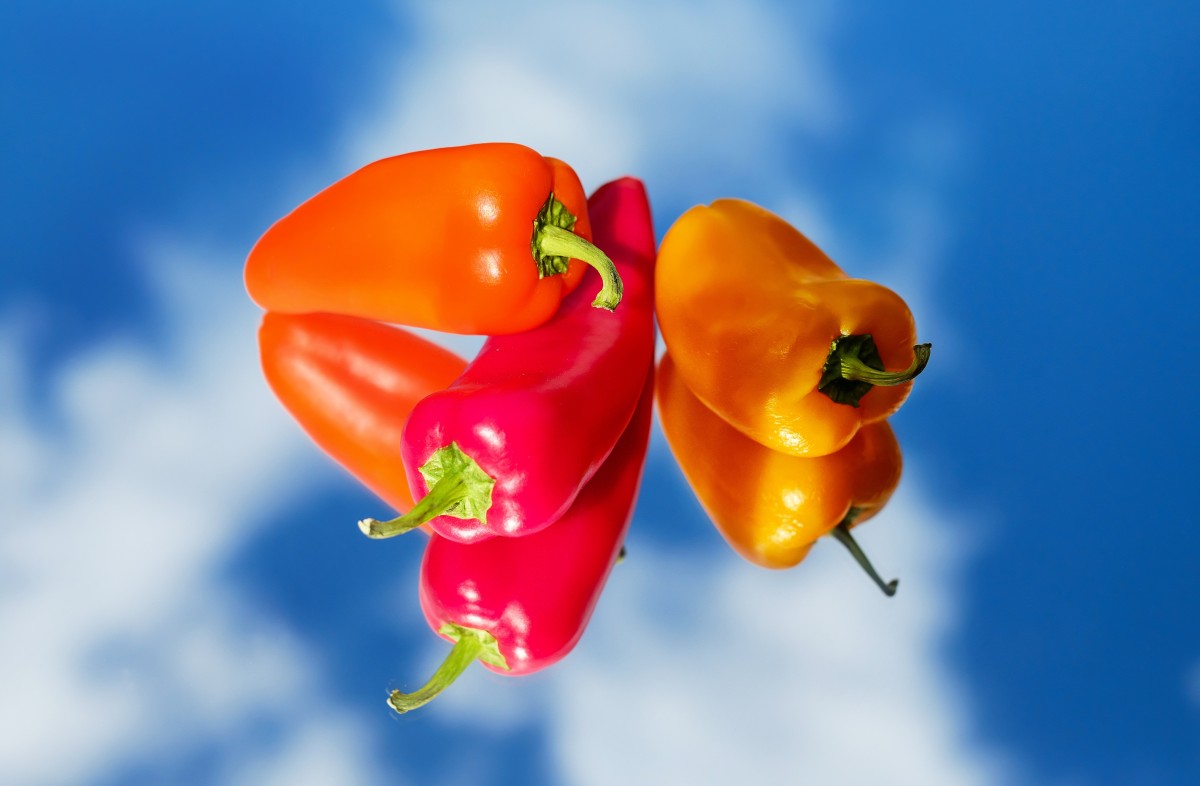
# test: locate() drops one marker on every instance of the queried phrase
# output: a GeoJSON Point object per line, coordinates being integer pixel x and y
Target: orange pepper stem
{"type": "Point", "coordinates": [842, 534]}
{"type": "Point", "coordinates": [554, 241]}
{"type": "Point", "coordinates": [458, 487]}
{"type": "Point", "coordinates": [853, 367]}
{"type": "Point", "coordinates": [469, 644]}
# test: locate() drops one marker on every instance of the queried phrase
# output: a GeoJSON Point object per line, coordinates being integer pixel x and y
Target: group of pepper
{"type": "Point", "coordinates": [526, 462]}
{"type": "Point", "coordinates": [767, 392]}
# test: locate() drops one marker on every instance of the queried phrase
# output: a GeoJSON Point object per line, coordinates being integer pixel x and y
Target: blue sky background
{"type": "Point", "coordinates": [184, 597]}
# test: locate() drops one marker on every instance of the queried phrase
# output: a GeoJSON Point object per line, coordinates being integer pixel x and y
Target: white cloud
{"type": "Point", "coordinates": [321, 751]}
{"type": "Point", "coordinates": [117, 515]}
{"type": "Point", "coordinates": [715, 671]}
{"type": "Point", "coordinates": [710, 89]}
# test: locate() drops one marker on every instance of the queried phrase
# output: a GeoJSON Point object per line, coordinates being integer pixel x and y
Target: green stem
{"type": "Point", "coordinates": [855, 370]}
{"type": "Point", "coordinates": [445, 494]}
{"type": "Point", "coordinates": [842, 533]}
{"type": "Point", "coordinates": [457, 487]}
{"type": "Point", "coordinates": [462, 655]}
{"type": "Point", "coordinates": [556, 241]}
{"type": "Point", "coordinates": [469, 644]}
{"type": "Point", "coordinates": [853, 367]}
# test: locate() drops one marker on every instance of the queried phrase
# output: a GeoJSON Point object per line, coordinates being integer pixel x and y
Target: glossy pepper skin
{"type": "Point", "coordinates": [750, 310]}
{"type": "Point", "coordinates": [443, 239]}
{"type": "Point", "coordinates": [770, 506]}
{"type": "Point", "coordinates": [536, 413]}
{"type": "Point", "coordinates": [351, 383]}
{"type": "Point", "coordinates": [521, 604]}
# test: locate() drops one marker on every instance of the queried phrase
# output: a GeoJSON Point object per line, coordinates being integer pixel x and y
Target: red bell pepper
{"type": "Point", "coordinates": [507, 447]}
{"type": "Point", "coordinates": [519, 605]}
{"type": "Point", "coordinates": [351, 383]}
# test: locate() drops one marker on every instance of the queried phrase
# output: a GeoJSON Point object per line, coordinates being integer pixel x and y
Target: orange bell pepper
{"type": "Point", "coordinates": [773, 336]}
{"type": "Point", "coordinates": [351, 384]}
{"type": "Point", "coordinates": [482, 239]}
{"type": "Point", "coordinates": [771, 507]}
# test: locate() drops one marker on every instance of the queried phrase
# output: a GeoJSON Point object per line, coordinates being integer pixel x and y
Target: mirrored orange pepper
{"type": "Point", "coordinates": [771, 507]}
{"type": "Point", "coordinates": [351, 384]}
{"type": "Point", "coordinates": [774, 337]}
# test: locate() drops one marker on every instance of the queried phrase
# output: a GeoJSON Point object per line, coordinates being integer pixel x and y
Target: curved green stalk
{"type": "Point", "coordinates": [447, 493]}
{"type": "Point", "coordinates": [470, 644]}
{"type": "Point", "coordinates": [842, 534]}
{"type": "Point", "coordinates": [556, 241]}
{"type": "Point", "coordinates": [457, 487]}
{"type": "Point", "coordinates": [554, 245]}
{"type": "Point", "coordinates": [853, 367]}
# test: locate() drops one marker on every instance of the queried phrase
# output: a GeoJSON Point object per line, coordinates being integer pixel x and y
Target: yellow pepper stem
{"type": "Point", "coordinates": [857, 371]}
{"type": "Point", "coordinates": [853, 367]}
{"type": "Point", "coordinates": [841, 533]}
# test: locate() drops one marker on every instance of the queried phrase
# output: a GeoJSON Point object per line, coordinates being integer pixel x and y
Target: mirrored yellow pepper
{"type": "Point", "coordinates": [772, 507]}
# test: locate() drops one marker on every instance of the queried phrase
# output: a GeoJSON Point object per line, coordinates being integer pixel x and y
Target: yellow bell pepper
{"type": "Point", "coordinates": [774, 337]}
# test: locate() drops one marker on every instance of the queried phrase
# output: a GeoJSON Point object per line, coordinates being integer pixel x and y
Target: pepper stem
{"type": "Point", "coordinates": [470, 643]}
{"type": "Point", "coordinates": [551, 240]}
{"type": "Point", "coordinates": [457, 487]}
{"type": "Point", "coordinates": [445, 494]}
{"type": "Point", "coordinates": [842, 533]}
{"type": "Point", "coordinates": [853, 367]}
{"type": "Point", "coordinates": [855, 370]}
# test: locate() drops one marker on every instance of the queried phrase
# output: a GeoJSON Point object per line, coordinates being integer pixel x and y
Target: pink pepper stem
{"type": "Point", "coordinates": [459, 488]}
